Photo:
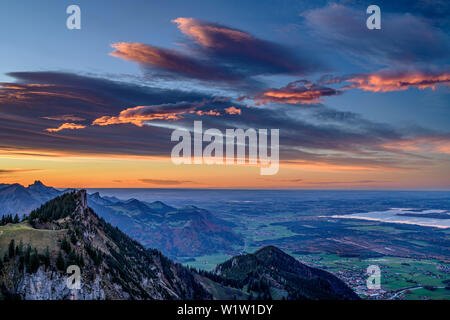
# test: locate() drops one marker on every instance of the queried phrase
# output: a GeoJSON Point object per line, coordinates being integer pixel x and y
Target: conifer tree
{"type": "Point", "coordinates": [60, 264]}
{"type": "Point", "coordinates": [34, 261]}
{"type": "Point", "coordinates": [11, 249]}
{"type": "Point", "coordinates": [65, 245]}
{"type": "Point", "coordinates": [47, 258]}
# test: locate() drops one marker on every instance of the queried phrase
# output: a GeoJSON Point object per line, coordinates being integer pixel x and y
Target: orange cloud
{"type": "Point", "coordinates": [169, 111]}
{"type": "Point", "coordinates": [297, 92]}
{"type": "Point", "coordinates": [233, 110]}
{"type": "Point", "coordinates": [143, 53]}
{"type": "Point", "coordinates": [206, 34]}
{"type": "Point", "coordinates": [68, 126]}
{"type": "Point", "coordinates": [167, 59]}
{"type": "Point", "coordinates": [387, 80]}
{"type": "Point", "coordinates": [137, 116]}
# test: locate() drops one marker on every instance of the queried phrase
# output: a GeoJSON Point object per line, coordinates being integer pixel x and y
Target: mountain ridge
{"type": "Point", "coordinates": [18, 199]}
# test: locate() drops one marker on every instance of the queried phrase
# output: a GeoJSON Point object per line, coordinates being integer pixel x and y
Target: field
{"type": "Point", "coordinates": [397, 274]}
{"type": "Point", "coordinates": [423, 294]}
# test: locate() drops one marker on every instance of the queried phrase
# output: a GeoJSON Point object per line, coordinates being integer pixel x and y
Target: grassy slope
{"type": "Point", "coordinates": [39, 238]}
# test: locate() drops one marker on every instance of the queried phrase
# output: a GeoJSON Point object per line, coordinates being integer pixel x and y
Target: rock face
{"type": "Point", "coordinates": [50, 285]}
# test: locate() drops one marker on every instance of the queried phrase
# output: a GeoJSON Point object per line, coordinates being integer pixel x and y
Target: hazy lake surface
{"type": "Point", "coordinates": [396, 215]}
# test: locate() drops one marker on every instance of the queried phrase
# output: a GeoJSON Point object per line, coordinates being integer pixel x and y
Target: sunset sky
{"type": "Point", "coordinates": [356, 108]}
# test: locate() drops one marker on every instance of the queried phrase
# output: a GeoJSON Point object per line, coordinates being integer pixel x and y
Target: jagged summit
{"type": "Point", "coordinates": [37, 183]}
{"type": "Point", "coordinates": [82, 196]}
{"type": "Point", "coordinates": [38, 186]}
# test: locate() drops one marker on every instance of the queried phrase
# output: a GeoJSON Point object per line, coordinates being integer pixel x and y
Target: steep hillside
{"type": "Point", "coordinates": [271, 273]}
{"type": "Point", "coordinates": [113, 266]}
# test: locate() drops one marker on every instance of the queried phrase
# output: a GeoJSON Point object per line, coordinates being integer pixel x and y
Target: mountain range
{"type": "Point", "coordinates": [66, 232]}
{"type": "Point", "coordinates": [17, 199]}
{"type": "Point", "coordinates": [178, 232]}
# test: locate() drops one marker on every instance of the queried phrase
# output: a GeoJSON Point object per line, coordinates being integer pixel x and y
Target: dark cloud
{"type": "Point", "coordinates": [65, 117]}
{"type": "Point", "coordinates": [165, 182]}
{"type": "Point", "coordinates": [403, 39]}
{"type": "Point", "coordinates": [8, 171]}
{"type": "Point", "coordinates": [26, 104]}
{"type": "Point", "coordinates": [244, 51]}
{"type": "Point", "coordinates": [171, 61]}
{"type": "Point", "coordinates": [111, 94]}
{"type": "Point", "coordinates": [217, 52]}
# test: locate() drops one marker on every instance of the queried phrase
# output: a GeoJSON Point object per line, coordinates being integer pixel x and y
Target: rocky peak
{"type": "Point", "coordinates": [37, 183]}
{"type": "Point", "coordinates": [37, 186]}
{"type": "Point", "coordinates": [82, 195]}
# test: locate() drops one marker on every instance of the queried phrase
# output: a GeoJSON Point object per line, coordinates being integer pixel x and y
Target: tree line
{"type": "Point", "coordinates": [9, 219]}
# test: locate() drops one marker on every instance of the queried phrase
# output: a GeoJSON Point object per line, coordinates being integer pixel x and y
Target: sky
{"type": "Point", "coordinates": [96, 107]}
